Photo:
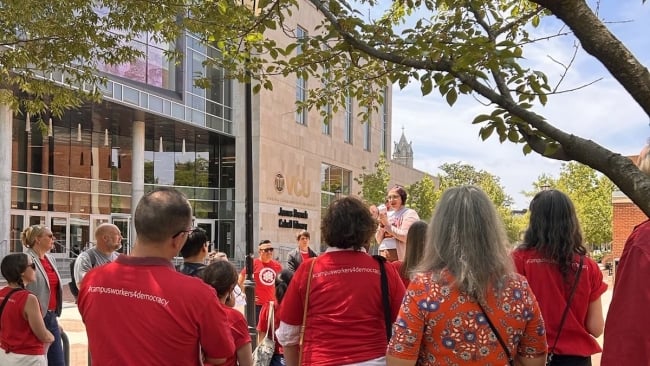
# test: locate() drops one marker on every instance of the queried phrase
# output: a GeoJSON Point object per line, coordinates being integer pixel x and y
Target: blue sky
{"type": "Point", "coordinates": [603, 112]}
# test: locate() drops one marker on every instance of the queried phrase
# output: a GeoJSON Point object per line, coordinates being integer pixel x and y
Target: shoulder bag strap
{"type": "Point", "coordinates": [566, 308]}
{"type": "Point", "coordinates": [304, 312]}
{"type": "Point", "coordinates": [2, 307]}
{"type": "Point", "coordinates": [384, 296]}
{"type": "Point", "coordinates": [511, 361]}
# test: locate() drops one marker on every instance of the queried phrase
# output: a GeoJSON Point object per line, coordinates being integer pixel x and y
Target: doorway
{"type": "Point", "coordinates": [123, 222]}
{"type": "Point", "coordinates": [208, 226]}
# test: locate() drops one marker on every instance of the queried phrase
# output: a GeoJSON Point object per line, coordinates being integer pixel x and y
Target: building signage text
{"type": "Point", "coordinates": [292, 224]}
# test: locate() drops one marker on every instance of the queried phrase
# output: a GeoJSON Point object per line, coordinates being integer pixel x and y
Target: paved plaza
{"type": "Point", "coordinates": [71, 322]}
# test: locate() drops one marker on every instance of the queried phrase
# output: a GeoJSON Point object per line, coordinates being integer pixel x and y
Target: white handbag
{"type": "Point", "coordinates": [263, 353]}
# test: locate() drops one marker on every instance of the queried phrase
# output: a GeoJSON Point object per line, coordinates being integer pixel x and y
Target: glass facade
{"type": "Point", "coordinates": [74, 173]}
{"type": "Point", "coordinates": [80, 170]}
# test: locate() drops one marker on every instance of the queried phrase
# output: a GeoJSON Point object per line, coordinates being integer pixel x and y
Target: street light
{"type": "Point", "coordinates": [249, 283]}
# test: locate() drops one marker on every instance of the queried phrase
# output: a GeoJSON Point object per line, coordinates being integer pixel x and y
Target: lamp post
{"type": "Point", "coordinates": [249, 283]}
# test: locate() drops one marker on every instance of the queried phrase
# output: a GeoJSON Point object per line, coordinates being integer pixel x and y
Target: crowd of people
{"type": "Point", "coordinates": [449, 292]}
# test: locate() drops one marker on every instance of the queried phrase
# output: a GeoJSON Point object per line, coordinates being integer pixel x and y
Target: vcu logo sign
{"type": "Point", "coordinates": [294, 185]}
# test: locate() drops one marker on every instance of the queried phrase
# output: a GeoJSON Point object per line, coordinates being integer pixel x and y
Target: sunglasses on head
{"type": "Point", "coordinates": [266, 250]}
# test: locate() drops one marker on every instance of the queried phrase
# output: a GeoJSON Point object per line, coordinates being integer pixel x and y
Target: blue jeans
{"type": "Point", "coordinates": [277, 360]}
{"type": "Point", "coordinates": [258, 309]}
{"type": "Point", "coordinates": [55, 355]}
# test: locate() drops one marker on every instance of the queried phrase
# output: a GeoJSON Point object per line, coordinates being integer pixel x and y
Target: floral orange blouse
{"type": "Point", "coordinates": [438, 325]}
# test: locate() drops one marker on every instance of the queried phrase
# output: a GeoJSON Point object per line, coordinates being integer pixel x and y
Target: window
{"type": "Point", "coordinates": [334, 181]}
{"type": "Point", "coordinates": [348, 120]}
{"type": "Point", "coordinates": [366, 135]}
{"type": "Point", "coordinates": [151, 68]}
{"type": "Point", "coordinates": [384, 123]}
{"type": "Point", "coordinates": [301, 83]}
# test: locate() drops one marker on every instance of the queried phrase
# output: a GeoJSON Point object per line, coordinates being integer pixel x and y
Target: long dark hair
{"type": "Point", "coordinates": [13, 266]}
{"type": "Point", "coordinates": [554, 229]}
{"type": "Point", "coordinates": [415, 240]}
{"type": "Point", "coordinates": [282, 283]}
{"type": "Point", "coordinates": [221, 275]}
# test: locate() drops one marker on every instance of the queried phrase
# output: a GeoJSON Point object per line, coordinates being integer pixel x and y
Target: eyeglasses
{"type": "Point", "coordinates": [182, 231]}
{"type": "Point", "coordinates": [267, 250]}
{"type": "Point", "coordinates": [392, 197]}
{"type": "Point", "coordinates": [32, 265]}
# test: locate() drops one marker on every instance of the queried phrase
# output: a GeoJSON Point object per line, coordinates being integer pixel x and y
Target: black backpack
{"type": "Point", "coordinates": [73, 284]}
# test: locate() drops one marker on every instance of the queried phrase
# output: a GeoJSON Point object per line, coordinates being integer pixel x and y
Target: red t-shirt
{"type": "Point", "coordinates": [264, 275]}
{"type": "Point", "coordinates": [164, 316]}
{"type": "Point", "coordinates": [239, 327]}
{"type": "Point", "coordinates": [305, 255]}
{"type": "Point", "coordinates": [53, 279]}
{"type": "Point", "coordinates": [262, 325]}
{"type": "Point", "coordinates": [627, 341]}
{"type": "Point", "coordinates": [345, 316]}
{"type": "Point", "coordinates": [16, 335]}
{"type": "Point", "coordinates": [552, 293]}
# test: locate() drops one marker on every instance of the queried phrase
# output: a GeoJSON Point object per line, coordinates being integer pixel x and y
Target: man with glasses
{"type": "Point", "coordinates": [265, 270]}
{"type": "Point", "coordinates": [162, 316]}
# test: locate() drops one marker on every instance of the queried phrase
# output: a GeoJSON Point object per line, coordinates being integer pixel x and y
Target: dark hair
{"type": "Point", "coordinates": [554, 229]}
{"type": "Point", "coordinates": [302, 233]}
{"type": "Point", "coordinates": [282, 283]}
{"type": "Point", "coordinates": [401, 191]}
{"type": "Point", "coordinates": [221, 275]}
{"type": "Point", "coordinates": [347, 224]}
{"type": "Point", "coordinates": [161, 214]}
{"type": "Point", "coordinates": [13, 266]}
{"type": "Point", "coordinates": [265, 241]}
{"type": "Point", "coordinates": [195, 242]}
{"type": "Point", "coordinates": [415, 240]}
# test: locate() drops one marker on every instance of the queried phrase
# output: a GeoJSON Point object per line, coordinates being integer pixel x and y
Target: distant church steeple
{"type": "Point", "coordinates": [403, 154]}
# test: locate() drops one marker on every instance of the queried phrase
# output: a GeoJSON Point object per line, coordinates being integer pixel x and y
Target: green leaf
{"type": "Point", "coordinates": [513, 135]}
{"type": "Point", "coordinates": [481, 118]}
{"type": "Point", "coordinates": [427, 86]}
{"type": "Point", "coordinates": [535, 21]}
{"type": "Point", "coordinates": [485, 132]}
{"type": "Point", "coordinates": [451, 97]}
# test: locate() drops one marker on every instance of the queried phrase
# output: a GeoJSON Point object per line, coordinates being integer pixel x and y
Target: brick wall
{"type": "Point", "coordinates": [625, 217]}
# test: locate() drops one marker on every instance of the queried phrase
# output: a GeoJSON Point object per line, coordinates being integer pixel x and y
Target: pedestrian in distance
{"type": "Point", "coordinates": [345, 320]}
{"type": "Point", "coordinates": [466, 305]}
{"type": "Point", "coordinates": [302, 252]}
{"type": "Point", "coordinates": [164, 317]}
{"type": "Point", "coordinates": [281, 285]}
{"type": "Point", "coordinates": [23, 335]}
{"type": "Point", "coordinates": [627, 340]}
{"type": "Point", "coordinates": [222, 277]}
{"type": "Point", "coordinates": [39, 241]}
{"type": "Point", "coordinates": [194, 252]}
{"type": "Point", "coordinates": [568, 285]}
{"type": "Point", "coordinates": [265, 271]}
{"type": "Point", "coordinates": [108, 240]}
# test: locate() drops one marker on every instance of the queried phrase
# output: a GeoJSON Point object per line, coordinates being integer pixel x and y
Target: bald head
{"type": "Point", "coordinates": [108, 238]}
{"type": "Point", "coordinates": [644, 159]}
